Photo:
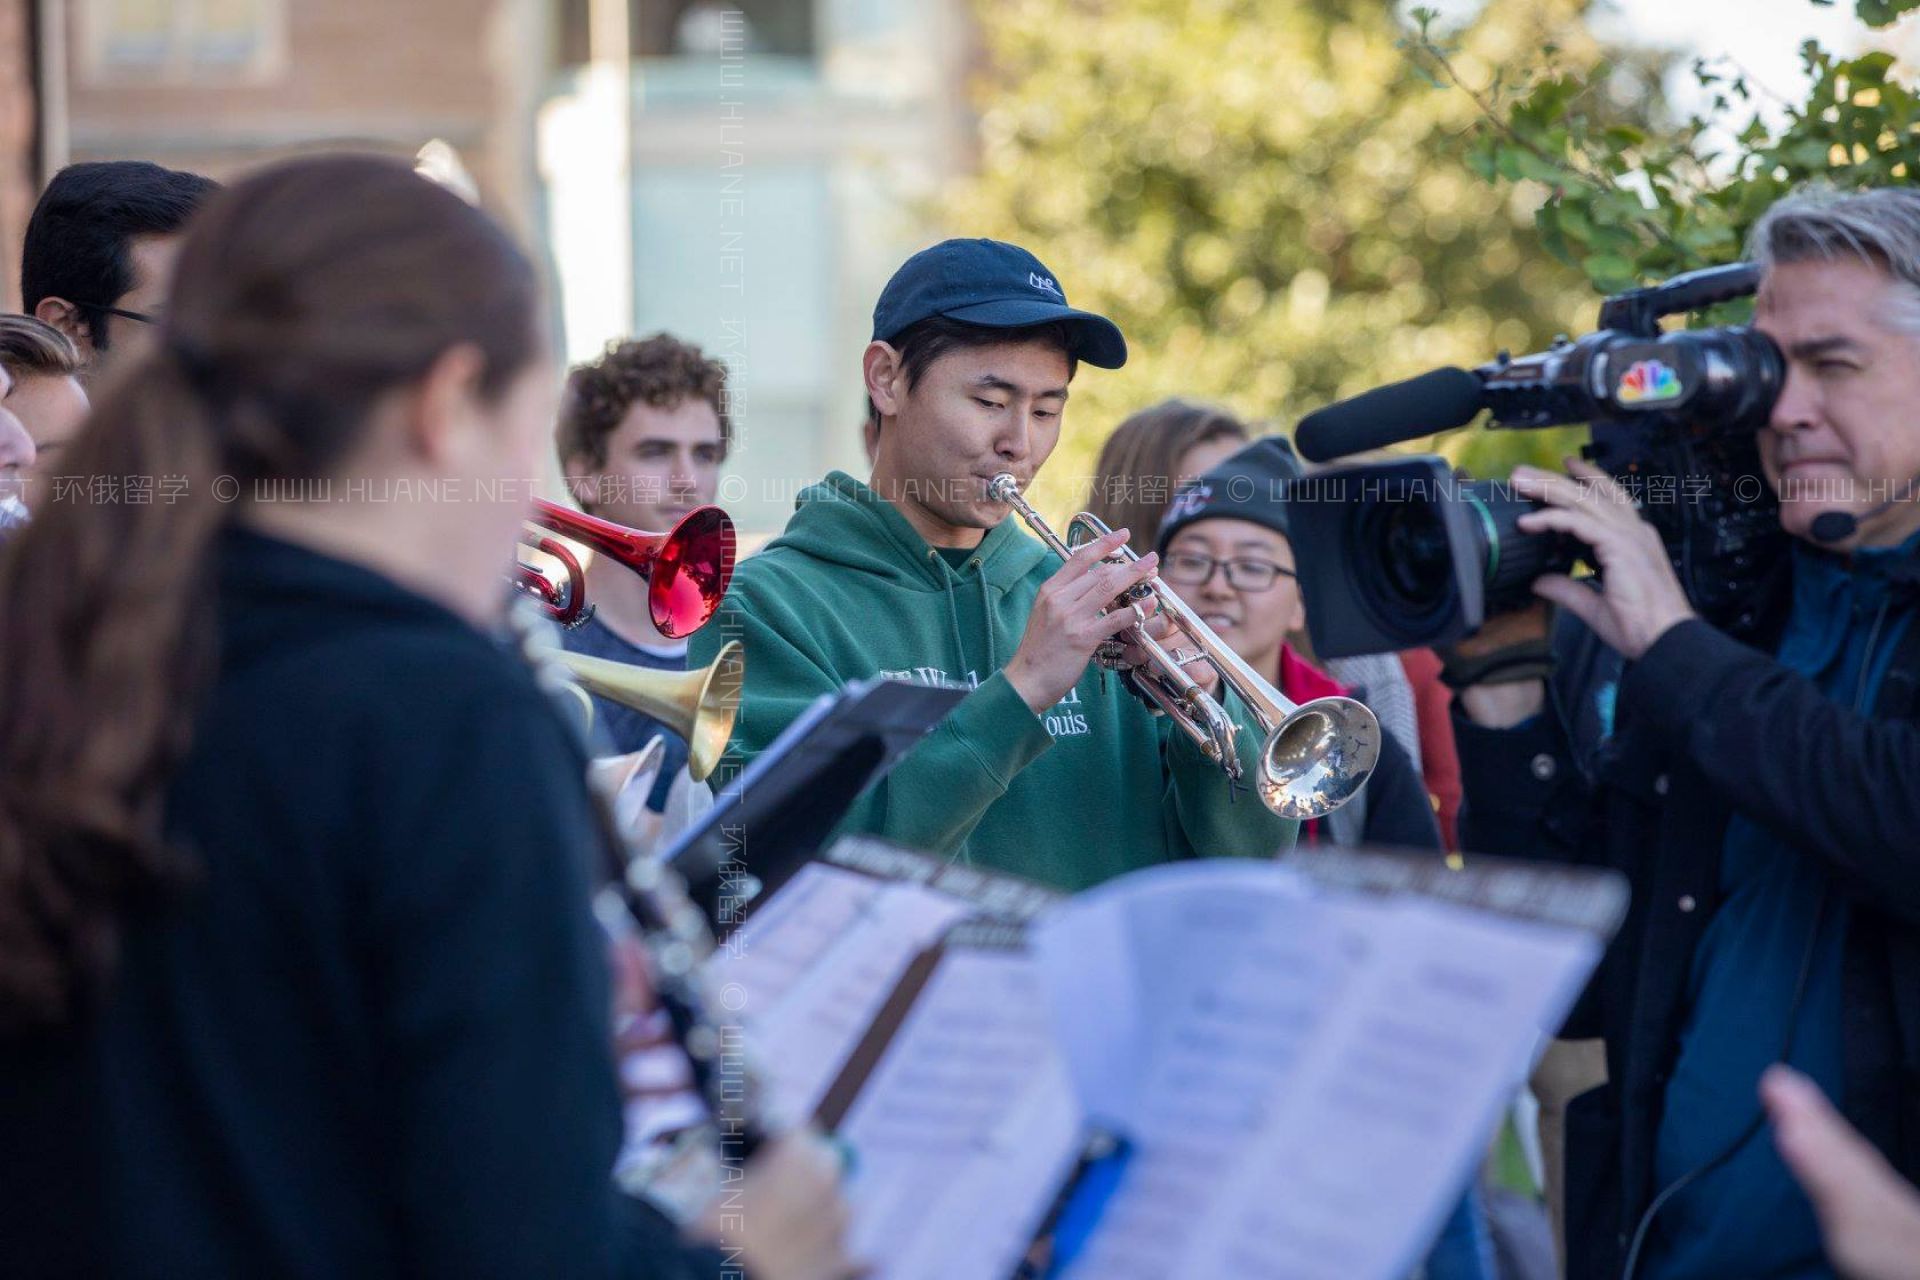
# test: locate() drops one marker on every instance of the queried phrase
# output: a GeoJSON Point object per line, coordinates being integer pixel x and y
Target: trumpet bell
{"type": "Point", "coordinates": [1318, 757]}
{"type": "Point", "coordinates": [699, 705]}
{"type": "Point", "coordinates": [691, 572]}
{"type": "Point", "coordinates": [687, 568]}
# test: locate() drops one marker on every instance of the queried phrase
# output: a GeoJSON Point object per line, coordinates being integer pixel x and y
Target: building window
{"type": "Point", "coordinates": [183, 40]}
{"type": "Point", "coordinates": [694, 28]}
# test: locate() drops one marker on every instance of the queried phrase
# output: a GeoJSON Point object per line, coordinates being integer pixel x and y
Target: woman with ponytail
{"type": "Point", "coordinates": [298, 973]}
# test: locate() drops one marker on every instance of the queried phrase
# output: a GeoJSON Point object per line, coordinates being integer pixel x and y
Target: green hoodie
{"type": "Point", "coordinates": [1096, 787]}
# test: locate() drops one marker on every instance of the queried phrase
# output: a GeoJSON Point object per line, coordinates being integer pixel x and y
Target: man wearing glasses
{"type": "Point", "coordinates": [99, 250]}
{"type": "Point", "coordinates": [1224, 548]}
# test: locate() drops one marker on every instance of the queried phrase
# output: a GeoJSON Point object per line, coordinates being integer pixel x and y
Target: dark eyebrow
{"type": "Point", "coordinates": [1814, 348]}
{"type": "Point", "coordinates": [994, 382]}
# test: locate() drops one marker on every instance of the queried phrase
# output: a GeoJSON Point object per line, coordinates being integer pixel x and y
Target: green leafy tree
{"type": "Point", "coordinates": [1632, 202]}
{"type": "Point", "coordinates": [1271, 198]}
{"type": "Point", "coordinates": [1629, 205]}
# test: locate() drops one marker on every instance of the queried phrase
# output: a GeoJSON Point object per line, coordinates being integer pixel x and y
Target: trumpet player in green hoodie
{"type": "Point", "coordinates": [1049, 768]}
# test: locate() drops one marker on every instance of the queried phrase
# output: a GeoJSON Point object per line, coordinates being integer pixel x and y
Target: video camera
{"type": "Point", "coordinates": [1405, 554]}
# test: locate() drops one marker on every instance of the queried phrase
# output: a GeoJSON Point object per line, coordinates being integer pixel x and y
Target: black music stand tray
{"type": "Point", "coordinates": [775, 817]}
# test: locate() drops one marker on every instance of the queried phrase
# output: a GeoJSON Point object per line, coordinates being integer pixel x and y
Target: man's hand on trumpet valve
{"type": "Point", "coordinates": [1177, 643]}
{"type": "Point", "coordinates": [1070, 620]}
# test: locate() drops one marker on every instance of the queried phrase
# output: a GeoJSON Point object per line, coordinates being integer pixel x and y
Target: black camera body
{"type": "Point", "coordinates": [1404, 554]}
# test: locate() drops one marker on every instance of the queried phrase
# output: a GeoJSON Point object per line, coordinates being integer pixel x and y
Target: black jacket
{"type": "Point", "coordinates": [1705, 725]}
{"type": "Point", "coordinates": [373, 1039]}
{"type": "Point", "coordinates": [1390, 811]}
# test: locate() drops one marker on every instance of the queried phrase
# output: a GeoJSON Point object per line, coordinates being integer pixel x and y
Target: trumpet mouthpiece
{"type": "Point", "coordinates": [1002, 487]}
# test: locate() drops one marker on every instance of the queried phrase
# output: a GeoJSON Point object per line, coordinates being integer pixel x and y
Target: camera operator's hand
{"type": "Point", "coordinates": [1506, 703]}
{"type": "Point", "coordinates": [1069, 620]}
{"type": "Point", "coordinates": [1639, 599]}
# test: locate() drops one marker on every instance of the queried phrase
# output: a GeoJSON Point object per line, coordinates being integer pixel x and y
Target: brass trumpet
{"type": "Point", "coordinates": [1315, 757]}
{"type": "Point", "coordinates": [687, 568]}
{"type": "Point", "coordinates": [698, 705]}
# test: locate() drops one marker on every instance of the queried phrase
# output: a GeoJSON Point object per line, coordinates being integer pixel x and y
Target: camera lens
{"type": "Point", "coordinates": [1404, 555]}
{"type": "Point", "coordinates": [1403, 563]}
{"type": "Point", "coordinates": [1417, 563]}
{"type": "Point", "coordinates": [1512, 559]}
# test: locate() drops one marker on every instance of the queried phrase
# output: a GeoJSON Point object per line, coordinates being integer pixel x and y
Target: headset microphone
{"type": "Point", "coordinates": [1830, 527]}
{"type": "Point", "coordinates": [1834, 526]}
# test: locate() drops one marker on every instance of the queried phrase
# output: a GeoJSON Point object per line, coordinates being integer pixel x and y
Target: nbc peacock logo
{"type": "Point", "coordinates": [1648, 380]}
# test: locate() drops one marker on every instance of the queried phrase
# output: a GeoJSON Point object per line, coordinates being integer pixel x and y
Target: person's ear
{"type": "Point", "coordinates": [441, 420]}
{"type": "Point", "coordinates": [1297, 620]}
{"type": "Point", "coordinates": [886, 377]}
{"type": "Point", "coordinates": [582, 478]}
{"type": "Point", "coordinates": [66, 317]}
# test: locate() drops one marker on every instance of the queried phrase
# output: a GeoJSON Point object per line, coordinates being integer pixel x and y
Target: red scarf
{"type": "Point", "coordinates": [1302, 682]}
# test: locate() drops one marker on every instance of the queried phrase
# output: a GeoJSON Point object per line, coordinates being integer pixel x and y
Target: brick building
{"type": "Point", "coordinates": [217, 85]}
{"type": "Point", "coordinates": [743, 172]}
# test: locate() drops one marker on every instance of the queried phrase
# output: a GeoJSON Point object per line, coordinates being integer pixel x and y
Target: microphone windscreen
{"type": "Point", "coordinates": [1833, 526]}
{"type": "Point", "coordinates": [1436, 401]}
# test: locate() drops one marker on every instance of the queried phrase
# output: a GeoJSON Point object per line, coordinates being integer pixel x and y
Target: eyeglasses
{"type": "Point", "coordinates": [142, 316]}
{"type": "Point", "coordinates": [1190, 569]}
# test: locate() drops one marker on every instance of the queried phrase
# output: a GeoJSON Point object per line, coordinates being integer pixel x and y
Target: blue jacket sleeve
{"type": "Point", "coordinates": [1843, 786]}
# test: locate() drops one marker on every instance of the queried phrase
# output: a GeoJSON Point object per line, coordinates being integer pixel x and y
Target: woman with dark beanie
{"type": "Point", "coordinates": [298, 971]}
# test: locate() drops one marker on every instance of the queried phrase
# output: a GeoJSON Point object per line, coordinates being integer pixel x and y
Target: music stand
{"type": "Point", "coordinates": [771, 820]}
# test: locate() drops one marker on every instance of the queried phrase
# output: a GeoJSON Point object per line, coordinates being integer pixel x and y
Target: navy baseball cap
{"type": "Point", "coordinates": [994, 285]}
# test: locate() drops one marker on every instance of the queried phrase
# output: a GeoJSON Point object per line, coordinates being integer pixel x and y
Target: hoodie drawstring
{"type": "Point", "coordinates": [986, 616]}
{"type": "Point", "coordinates": [953, 615]}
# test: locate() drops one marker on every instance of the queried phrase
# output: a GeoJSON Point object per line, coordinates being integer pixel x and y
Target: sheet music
{"type": "Point", "coordinates": [1420, 1057]}
{"type": "Point", "coordinates": [1233, 988]}
{"type": "Point", "coordinates": [966, 1126]}
{"type": "Point", "coordinates": [1306, 1077]}
{"type": "Point", "coordinates": [809, 971]}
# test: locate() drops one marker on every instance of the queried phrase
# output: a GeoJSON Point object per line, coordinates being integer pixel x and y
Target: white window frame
{"type": "Point", "coordinates": [269, 60]}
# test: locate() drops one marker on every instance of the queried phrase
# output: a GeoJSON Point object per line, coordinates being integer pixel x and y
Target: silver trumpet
{"type": "Point", "coordinates": [1315, 757]}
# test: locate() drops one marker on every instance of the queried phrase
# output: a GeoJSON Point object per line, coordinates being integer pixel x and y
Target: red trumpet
{"type": "Point", "coordinates": [687, 568]}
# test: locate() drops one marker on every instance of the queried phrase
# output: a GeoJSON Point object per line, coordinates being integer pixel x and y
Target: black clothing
{"type": "Point", "coordinates": [1705, 727]}
{"type": "Point", "coordinates": [372, 1040]}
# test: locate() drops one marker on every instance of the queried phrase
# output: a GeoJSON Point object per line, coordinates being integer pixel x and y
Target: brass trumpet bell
{"type": "Point", "coordinates": [698, 705]}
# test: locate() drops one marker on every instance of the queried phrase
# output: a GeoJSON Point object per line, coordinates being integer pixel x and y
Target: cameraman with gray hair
{"type": "Point", "coordinates": [1765, 802]}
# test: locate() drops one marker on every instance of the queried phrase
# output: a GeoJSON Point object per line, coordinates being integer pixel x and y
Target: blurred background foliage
{"type": "Point", "coordinates": [1629, 205]}
{"type": "Point", "coordinates": [1283, 202]}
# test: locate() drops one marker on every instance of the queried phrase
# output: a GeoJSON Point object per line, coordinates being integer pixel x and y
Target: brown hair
{"type": "Point", "coordinates": [1137, 471]}
{"type": "Point", "coordinates": [660, 370]}
{"type": "Point", "coordinates": [31, 348]}
{"type": "Point", "coordinates": [303, 295]}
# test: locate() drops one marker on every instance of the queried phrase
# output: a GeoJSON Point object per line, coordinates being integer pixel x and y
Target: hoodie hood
{"type": "Point", "coordinates": [843, 522]}
{"type": "Point", "coordinates": [976, 622]}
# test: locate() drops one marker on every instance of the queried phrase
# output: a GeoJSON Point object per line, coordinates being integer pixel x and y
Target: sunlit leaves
{"type": "Point", "coordinates": [1266, 195]}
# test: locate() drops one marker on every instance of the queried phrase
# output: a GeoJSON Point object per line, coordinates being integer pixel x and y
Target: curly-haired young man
{"type": "Point", "coordinates": [643, 431]}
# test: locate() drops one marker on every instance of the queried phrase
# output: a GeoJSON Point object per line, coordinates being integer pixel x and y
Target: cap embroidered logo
{"type": "Point", "coordinates": [1044, 283]}
{"type": "Point", "coordinates": [1189, 501]}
